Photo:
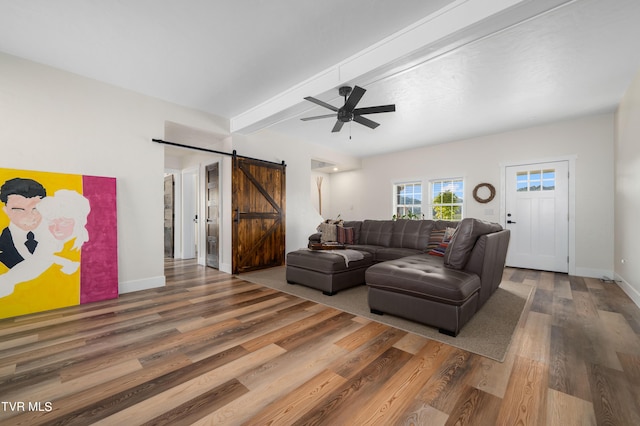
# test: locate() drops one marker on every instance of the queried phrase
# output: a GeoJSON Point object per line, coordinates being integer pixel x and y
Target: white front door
{"type": "Point", "coordinates": [537, 213]}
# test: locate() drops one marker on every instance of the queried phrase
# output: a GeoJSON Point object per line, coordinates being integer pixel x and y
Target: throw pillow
{"type": "Point", "coordinates": [329, 232]}
{"type": "Point", "coordinates": [440, 250]}
{"type": "Point", "coordinates": [437, 236]}
{"type": "Point", "coordinates": [442, 247]}
{"type": "Point", "coordinates": [345, 235]}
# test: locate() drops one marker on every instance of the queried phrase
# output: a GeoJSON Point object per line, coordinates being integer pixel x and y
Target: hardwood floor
{"type": "Point", "coordinates": [210, 348]}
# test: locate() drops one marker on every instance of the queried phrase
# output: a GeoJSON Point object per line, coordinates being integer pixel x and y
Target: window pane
{"type": "Point", "coordinates": [408, 200]}
{"type": "Point", "coordinates": [457, 213]}
{"type": "Point", "coordinates": [549, 180]}
{"type": "Point", "coordinates": [535, 177]}
{"type": "Point", "coordinates": [446, 199]}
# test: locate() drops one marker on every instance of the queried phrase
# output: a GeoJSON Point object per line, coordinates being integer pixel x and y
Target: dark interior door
{"type": "Point", "coordinates": [258, 204]}
{"type": "Point", "coordinates": [213, 216]}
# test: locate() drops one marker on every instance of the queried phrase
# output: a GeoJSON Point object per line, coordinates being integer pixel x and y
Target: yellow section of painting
{"type": "Point", "coordinates": [53, 288]}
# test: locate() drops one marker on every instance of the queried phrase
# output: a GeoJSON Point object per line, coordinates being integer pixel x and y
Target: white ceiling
{"type": "Point", "coordinates": [511, 64]}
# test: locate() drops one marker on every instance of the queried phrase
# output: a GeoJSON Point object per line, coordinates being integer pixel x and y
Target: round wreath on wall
{"type": "Point", "coordinates": [492, 192]}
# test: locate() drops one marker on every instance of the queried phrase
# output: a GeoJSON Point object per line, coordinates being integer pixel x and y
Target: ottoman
{"type": "Point", "coordinates": [326, 270]}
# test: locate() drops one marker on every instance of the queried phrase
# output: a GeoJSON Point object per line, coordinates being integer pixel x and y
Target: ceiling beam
{"type": "Point", "coordinates": [461, 17]}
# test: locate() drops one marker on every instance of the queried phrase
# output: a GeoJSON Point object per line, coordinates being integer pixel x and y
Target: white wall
{"type": "Point", "coordinates": [59, 122]}
{"type": "Point", "coordinates": [367, 193]}
{"type": "Point", "coordinates": [627, 184]}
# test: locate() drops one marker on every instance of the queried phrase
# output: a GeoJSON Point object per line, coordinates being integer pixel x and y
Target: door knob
{"type": "Point", "coordinates": [510, 221]}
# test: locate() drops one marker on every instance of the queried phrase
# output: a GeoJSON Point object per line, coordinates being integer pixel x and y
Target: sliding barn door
{"type": "Point", "coordinates": [258, 214]}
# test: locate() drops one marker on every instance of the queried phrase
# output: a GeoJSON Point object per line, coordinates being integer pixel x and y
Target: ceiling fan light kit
{"type": "Point", "coordinates": [348, 112]}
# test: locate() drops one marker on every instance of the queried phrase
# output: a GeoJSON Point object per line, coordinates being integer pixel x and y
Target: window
{"type": "Point", "coordinates": [408, 200]}
{"type": "Point", "coordinates": [447, 196]}
{"type": "Point", "coordinates": [536, 180]}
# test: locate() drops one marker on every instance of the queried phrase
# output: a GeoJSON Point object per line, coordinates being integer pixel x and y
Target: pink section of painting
{"type": "Point", "coordinates": [99, 264]}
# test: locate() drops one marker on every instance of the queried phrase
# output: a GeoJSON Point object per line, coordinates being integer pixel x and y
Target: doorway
{"type": "Point", "coordinates": [537, 213]}
{"type": "Point", "coordinates": [213, 215]}
{"type": "Point", "coordinates": [190, 213]}
{"type": "Point", "coordinates": [169, 217]}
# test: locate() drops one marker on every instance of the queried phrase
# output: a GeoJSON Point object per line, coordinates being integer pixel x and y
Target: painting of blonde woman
{"type": "Point", "coordinates": [58, 245]}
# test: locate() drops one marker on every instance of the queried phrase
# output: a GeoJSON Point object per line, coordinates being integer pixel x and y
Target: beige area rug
{"type": "Point", "coordinates": [489, 332]}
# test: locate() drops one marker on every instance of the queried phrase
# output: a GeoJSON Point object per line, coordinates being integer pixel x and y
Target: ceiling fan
{"type": "Point", "coordinates": [349, 112]}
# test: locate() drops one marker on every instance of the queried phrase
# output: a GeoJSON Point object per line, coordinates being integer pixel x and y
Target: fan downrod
{"type": "Point", "coordinates": [344, 91]}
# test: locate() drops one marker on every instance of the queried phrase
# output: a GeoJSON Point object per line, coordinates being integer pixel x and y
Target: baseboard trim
{"type": "Point", "coordinates": [594, 273]}
{"type": "Point", "coordinates": [143, 284]}
{"type": "Point", "coordinates": [633, 294]}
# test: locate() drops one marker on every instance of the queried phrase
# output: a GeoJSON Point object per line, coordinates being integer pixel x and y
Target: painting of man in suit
{"type": "Point", "coordinates": [58, 240]}
{"type": "Point", "coordinates": [18, 240]}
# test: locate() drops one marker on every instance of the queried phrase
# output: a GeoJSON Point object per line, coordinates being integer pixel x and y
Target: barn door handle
{"type": "Point", "coordinates": [237, 218]}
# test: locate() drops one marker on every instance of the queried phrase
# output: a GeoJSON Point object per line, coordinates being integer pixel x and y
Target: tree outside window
{"type": "Point", "coordinates": [448, 198]}
{"type": "Point", "coordinates": [408, 200]}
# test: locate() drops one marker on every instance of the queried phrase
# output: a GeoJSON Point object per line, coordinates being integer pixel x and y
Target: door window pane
{"type": "Point", "coordinates": [536, 180]}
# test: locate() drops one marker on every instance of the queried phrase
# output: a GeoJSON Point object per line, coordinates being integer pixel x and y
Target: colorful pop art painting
{"type": "Point", "coordinates": [58, 241]}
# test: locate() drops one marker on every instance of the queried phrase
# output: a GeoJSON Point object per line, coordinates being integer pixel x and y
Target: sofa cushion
{"type": "Point", "coordinates": [325, 261]}
{"type": "Point", "coordinates": [356, 225]}
{"type": "Point", "coordinates": [376, 232]}
{"type": "Point", "coordinates": [368, 248]}
{"type": "Point", "coordinates": [425, 277]}
{"type": "Point", "coordinates": [412, 234]}
{"type": "Point", "coordinates": [444, 224]}
{"type": "Point", "coordinates": [392, 253]}
{"type": "Point", "coordinates": [468, 231]}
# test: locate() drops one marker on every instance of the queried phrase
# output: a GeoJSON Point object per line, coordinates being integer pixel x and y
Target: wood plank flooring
{"type": "Point", "coordinates": [212, 349]}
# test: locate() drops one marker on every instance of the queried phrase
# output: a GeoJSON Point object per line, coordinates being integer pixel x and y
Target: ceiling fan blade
{"type": "Point", "coordinates": [321, 103]}
{"type": "Point", "coordinates": [337, 127]}
{"type": "Point", "coordinates": [374, 109]}
{"type": "Point", "coordinates": [365, 121]}
{"type": "Point", "coordinates": [353, 98]}
{"type": "Point", "coordinates": [318, 117]}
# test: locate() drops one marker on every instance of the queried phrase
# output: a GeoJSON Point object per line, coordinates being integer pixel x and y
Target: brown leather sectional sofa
{"type": "Point", "coordinates": [443, 292]}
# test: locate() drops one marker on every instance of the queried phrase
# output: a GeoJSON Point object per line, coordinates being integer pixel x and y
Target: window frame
{"type": "Point", "coordinates": [431, 205]}
{"type": "Point", "coordinates": [396, 205]}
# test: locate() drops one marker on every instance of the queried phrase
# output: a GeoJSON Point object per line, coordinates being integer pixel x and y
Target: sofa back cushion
{"type": "Point", "coordinates": [468, 231]}
{"type": "Point", "coordinates": [356, 225]}
{"type": "Point", "coordinates": [444, 224]}
{"type": "Point", "coordinates": [413, 234]}
{"type": "Point", "coordinates": [376, 232]}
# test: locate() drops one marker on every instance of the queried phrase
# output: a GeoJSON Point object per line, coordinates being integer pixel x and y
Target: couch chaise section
{"type": "Point", "coordinates": [424, 289]}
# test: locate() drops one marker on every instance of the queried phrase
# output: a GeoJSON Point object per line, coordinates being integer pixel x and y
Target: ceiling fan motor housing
{"type": "Point", "coordinates": [344, 116]}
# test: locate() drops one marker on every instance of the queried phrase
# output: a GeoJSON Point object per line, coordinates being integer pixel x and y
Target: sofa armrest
{"type": "Point", "coordinates": [487, 261]}
{"type": "Point", "coordinates": [315, 238]}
